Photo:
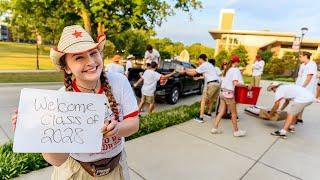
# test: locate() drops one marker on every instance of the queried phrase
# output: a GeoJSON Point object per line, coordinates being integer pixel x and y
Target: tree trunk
{"type": "Point", "coordinates": [86, 20]}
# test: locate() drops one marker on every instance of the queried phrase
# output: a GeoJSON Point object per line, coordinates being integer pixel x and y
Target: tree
{"type": "Point", "coordinates": [266, 55]}
{"type": "Point", "coordinates": [284, 66]}
{"type": "Point", "coordinates": [97, 16]}
{"type": "Point", "coordinates": [221, 56]}
{"type": "Point", "coordinates": [196, 49]}
{"type": "Point", "coordinates": [242, 53]}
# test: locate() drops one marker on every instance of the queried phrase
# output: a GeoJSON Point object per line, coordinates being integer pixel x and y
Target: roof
{"type": "Point", "coordinates": [216, 34]}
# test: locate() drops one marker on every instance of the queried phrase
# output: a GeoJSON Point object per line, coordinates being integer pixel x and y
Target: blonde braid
{"type": "Point", "coordinates": [108, 91]}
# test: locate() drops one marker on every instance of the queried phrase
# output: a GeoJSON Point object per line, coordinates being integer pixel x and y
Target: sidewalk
{"type": "Point", "coordinates": [188, 151]}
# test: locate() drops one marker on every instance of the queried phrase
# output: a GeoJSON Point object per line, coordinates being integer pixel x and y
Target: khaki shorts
{"type": "Point", "coordinates": [256, 80]}
{"type": "Point", "coordinates": [148, 99]}
{"type": "Point", "coordinates": [296, 108]}
{"type": "Point", "coordinates": [228, 101]}
{"type": "Point", "coordinates": [72, 170]}
{"type": "Point", "coordinates": [211, 91]}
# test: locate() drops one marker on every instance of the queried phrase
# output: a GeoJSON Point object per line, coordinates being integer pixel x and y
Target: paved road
{"type": "Point", "coordinates": [9, 100]}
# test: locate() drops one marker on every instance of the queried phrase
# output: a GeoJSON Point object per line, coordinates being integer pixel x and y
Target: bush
{"type": "Point", "coordinates": [15, 164]}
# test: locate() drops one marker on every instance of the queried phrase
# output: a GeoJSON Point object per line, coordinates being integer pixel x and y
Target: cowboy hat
{"type": "Point", "coordinates": [130, 56]}
{"type": "Point", "coordinates": [74, 39]}
{"type": "Point", "coordinates": [273, 85]}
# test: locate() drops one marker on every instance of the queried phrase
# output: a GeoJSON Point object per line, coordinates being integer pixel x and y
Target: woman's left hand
{"type": "Point", "coordinates": [110, 129]}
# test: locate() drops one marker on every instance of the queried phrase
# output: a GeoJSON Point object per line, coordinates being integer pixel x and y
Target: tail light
{"type": "Point", "coordinates": [163, 81]}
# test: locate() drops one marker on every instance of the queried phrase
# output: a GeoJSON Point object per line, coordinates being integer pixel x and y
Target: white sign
{"type": "Point", "coordinates": [59, 122]}
{"type": "Point", "coordinates": [296, 44]}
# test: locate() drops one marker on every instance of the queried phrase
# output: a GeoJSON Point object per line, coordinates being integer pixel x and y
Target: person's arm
{"type": "Point", "coordinates": [198, 78]}
{"type": "Point", "coordinates": [169, 75]}
{"type": "Point", "coordinates": [138, 82]}
{"type": "Point", "coordinates": [274, 108]}
{"type": "Point", "coordinates": [307, 81]}
{"type": "Point", "coordinates": [191, 72]}
{"type": "Point", "coordinates": [125, 128]}
{"type": "Point", "coordinates": [285, 104]}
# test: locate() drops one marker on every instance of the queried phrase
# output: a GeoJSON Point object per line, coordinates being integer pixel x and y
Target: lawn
{"type": "Point", "coordinates": [23, 56]}
{"type": "Point", "coordinates": [31, 77]}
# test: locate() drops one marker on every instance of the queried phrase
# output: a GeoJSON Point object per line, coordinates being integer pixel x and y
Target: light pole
{"type": "Point", "coordinates": [304, 30]}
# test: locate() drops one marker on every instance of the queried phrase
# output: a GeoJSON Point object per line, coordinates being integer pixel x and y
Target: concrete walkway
{"type": "Point", "coordinates": [188, 151]}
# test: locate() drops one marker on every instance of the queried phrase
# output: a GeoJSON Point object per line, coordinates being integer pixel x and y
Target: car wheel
{"type": "Point", "coordinates": [174, 95]}
{"type": "Point", "coordinates": [200, 90]}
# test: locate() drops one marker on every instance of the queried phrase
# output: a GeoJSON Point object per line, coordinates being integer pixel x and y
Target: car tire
{"type": "Point", "coordinates": [200, 90]}
{"type": "Point", "coordinates": [174, 95]}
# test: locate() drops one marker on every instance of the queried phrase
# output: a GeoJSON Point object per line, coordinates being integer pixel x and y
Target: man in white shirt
{"type": "Point", "coordinates": [150, 78]}
{"type": "Point", "coordinates": [211, 83]}
{"type": "Point", "coordinates": [257, 70]}
{"type": "Point", "coordinates": [301, 98]}
{"type": "Point", "coordinates": [151, 55]}
{"type": "Point", "coordinates": [115, 66]}
{"type": "Point", "coordinates": [307, 76]}
{"type": "Point", "coordinates": [129, 64]}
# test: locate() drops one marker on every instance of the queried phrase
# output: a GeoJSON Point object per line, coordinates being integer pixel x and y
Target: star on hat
{"type": "Point", "coordinates": [77, 34]}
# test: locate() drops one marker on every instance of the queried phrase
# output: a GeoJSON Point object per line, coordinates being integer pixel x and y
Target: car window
{"type": "Point", "coordinates": [186, 65]}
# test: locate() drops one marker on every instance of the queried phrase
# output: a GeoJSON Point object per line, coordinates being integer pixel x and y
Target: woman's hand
{"type": "Point", "coordinates": [14, 118]}
{"type": "Point", "coordinates": [110, 128]}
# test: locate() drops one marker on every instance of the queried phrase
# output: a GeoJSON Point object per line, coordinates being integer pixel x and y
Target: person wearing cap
{"type": "Point", "coordinates": [211, 83]}
{"type": "Point", "coordinates": [150, 78]}
{"type": "Point", "coordinates": [307, 76]}
{"type": "Point", "coordinates": [129, 64]}
{"type": "Point", "coordinates": [300, 97]}
{"type": "Point", "coordinates": [151, 55]}
{"type": "Point", "coordinates": [257, 70]}
{"type": "Point", "coordinates": [80, 59]}
{"type": "Point", "coordinates": [231, 77]}
{"type": "Point", "coordinates": [115, 66]}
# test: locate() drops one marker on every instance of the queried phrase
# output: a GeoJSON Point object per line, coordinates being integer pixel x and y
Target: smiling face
{"type": "Point", "coordinates": [86, 66]}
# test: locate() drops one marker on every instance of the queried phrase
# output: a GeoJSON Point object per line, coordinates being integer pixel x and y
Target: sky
{"type": "Point", "coordinates": [273, 15]}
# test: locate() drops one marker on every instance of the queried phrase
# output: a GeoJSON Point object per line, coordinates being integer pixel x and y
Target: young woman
{"type": "Point", "coordinates": [231, 77]}
{"type": "Point", "coordinates": [80, 59]}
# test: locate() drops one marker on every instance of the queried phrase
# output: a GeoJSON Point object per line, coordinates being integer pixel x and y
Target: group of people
{"type": "Point", "coordinates": [80, 58]}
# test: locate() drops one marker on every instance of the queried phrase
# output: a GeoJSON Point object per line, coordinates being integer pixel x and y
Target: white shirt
{"type": "Point", "coordinates": [219, 73]}
{"type": "Point", "coordinates": [304, 71]}
{"type": "Point", "coordinates": [115, 68]}
{"type": "Point", "coordinates": [294, 92]}
{"type": "Point", "coordinates": [128, 107]}
{"type": "Point", "coordinates": [150, 79]}
{"type": "Point", "coordinates": [233, 74]}
{"type": "Point", "coordinates": [208, 71]}
{"type": "Point", "coordinates": [152, 57]}
{"type": "Point", "coordinates": [257, 68]}
{"type": "Point", "coordinates": [128, 66]}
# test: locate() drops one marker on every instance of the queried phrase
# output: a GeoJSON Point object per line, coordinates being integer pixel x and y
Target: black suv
{"type": "Point", "coordinates": [176, 85]}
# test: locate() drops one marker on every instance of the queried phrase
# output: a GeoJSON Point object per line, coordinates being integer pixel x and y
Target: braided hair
{"type": "Point", "coordinates": [104, 82]}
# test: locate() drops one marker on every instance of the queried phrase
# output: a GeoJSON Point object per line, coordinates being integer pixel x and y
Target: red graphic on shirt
{"type": "Point", "coordinates": [77, 34]}
{"type": "Point", "coordinates": [110, 143]}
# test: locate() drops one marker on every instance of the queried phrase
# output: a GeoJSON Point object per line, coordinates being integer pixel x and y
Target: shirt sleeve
{"type": "Point", "coordinates": [157, 75]}
{"type": "Point", "coordinates": [128, 100]}
{"type": "Point", "coordinates": [311, 69]}
{"type": "Point", "coordinates": [201, 69]}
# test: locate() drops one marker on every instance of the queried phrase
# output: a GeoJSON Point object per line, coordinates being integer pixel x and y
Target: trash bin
{"type": "Point", "coordinates": [245, 96]}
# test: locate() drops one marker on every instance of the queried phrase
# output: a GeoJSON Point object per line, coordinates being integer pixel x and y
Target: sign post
{"type": "Point", "coordinates": [39, 42]}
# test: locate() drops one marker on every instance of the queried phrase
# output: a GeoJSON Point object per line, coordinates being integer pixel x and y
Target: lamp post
{"type": "Point", "coordinates": [304, 30]}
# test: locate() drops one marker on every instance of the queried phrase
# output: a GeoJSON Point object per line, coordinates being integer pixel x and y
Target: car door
{"type": "Point", "coordinates": [188, 81]}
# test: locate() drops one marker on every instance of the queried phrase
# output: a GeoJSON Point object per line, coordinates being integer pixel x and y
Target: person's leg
{"type": "Point", "coordinates": [252, 81]}
{"type": "Point", "coordinates": [151, 108]}
{"type": "Point", "coordinates": [318, 91]}
{"type": "Point", "coordinates": [142, 101]}
{"type": "Point", "coordinates": [223, 106]}
{"type": "Point", "coordinates": [233, 109]}
{"type": "Point", "coordinates": [150, 100]}
{"type": "Point", "coordinates": [288, 122]}
{"type": "Point", "coordinates": [204, 98]}
{"type": "Point", "coordinates": [257, 81]}
{"type": "Point", "coordinates": [213, 97]}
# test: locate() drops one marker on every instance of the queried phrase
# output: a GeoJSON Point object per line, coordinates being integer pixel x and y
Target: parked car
{"type": "Point", "coordinates": [175, 86]}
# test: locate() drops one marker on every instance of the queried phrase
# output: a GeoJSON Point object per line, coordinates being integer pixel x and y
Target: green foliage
{"type": "Point", "coordinates": [109, 49]}
{"type": "Point", "coordinates": [222, 56]}
{"type": "Point", "coordinates": [242, 53]}
{"type": "Point", "coordinates": [285, 65]}
{"type": "Point", "coordinates": [196, 49]}
{"type": "Point", "coordinates": [14, 164]}
{"type": "Point", "coordinates": [267, 55]}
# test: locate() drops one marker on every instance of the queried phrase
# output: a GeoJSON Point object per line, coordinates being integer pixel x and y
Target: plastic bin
{"type": "Point", "coordinates": [245, 96]}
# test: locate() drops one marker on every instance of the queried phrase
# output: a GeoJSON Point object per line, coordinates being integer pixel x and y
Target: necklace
{"type": "Point", "coordinates": [93, 90]}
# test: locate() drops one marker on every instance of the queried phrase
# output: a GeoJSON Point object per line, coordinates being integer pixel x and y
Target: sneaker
{"type": "Point", "coordinates": [216, 131]}
{"type": "Point", "coordinates": [279, 134]}
{"type": "Point", "coordinates": [207, 115]}
{"type": "Point", "coordinates": [198, 119]}
{"type": "Point", "coordinates": [239, 133]}
{"type": "Point", "coordinates": [299, 121]}
{"type": "Point", "coordinates": [292, 129]}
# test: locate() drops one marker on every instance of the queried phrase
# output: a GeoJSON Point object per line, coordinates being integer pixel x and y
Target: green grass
{"type": "Point", "coordinates": [31, 77]}
{"type": "Point", "coordinates": [16, 164]}
{"type": "Point", "coordinates": [14, 56]}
